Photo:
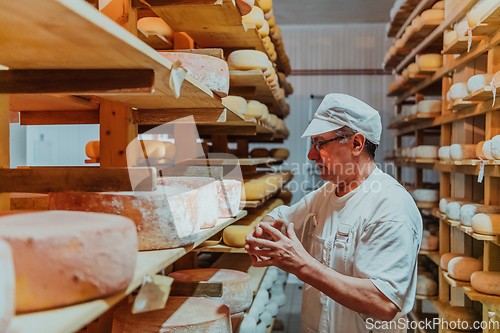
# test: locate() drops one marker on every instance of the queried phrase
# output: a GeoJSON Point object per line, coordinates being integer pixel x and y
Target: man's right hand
{"type": "Point", "coordinates": [259, 233]}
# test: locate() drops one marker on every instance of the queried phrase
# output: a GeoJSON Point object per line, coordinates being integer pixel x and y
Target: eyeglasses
{"type": "Point", "coordinates": [319, 144]}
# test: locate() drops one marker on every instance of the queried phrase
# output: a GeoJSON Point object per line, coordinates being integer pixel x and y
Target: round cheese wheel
{"type": "Point", "coordinates": [261, 327]}
{"type": "Point", "coordinates": [259, 152]}
{"type": "Point", "coordinates": [468, 211]}
{"type": "Point", "coordinates": [211, 71]}
{"type": "Point", "coordinates": [462, 152]}
{"type": "Point", "coordinates": [426, 286]}
{"type": "Point", "coordinates": [7, 286]}
{"type": "Point", "coordinates": [93, 149]}
{"type": "Point", "coordinates": [236, 103]}
{"type": "Point", "coordinates": [248, 325]}
{"type": "Point", "coordinates": [486, 282]}
{"type": "Point", "coordinates": [399, 43]}
{"type": "Point", "coordinates": [413, 69]}
{"type": "Point", "coordinates": [272, 308]}
{"type": "Point", "coordinates": [446, 257]}
{"type": "Point", "coordinates": [268, 15]}
{"type": "Point", "coordinates": [180, 315]}
{"type": "Point", "coordinates": [157, 25]}
{"type": "Point", "coordinates": [272, 79]}
{"type": "Point", "coordinates": [461, 28]}
{"type": "Point", "coordinates": [487, 150]}
{"type": "Point", "coordinates": [256, 17]}
{"type": "Point", "coordinates": [417, 23]}
{"type": "Point", "coordinates": [450, 38]}
{"type": "Point", "coordinates": [279, 299]}
{"type": "Point", "coordinates": [266, 5]}
{"type": "Point", "coordinates": [486, 224]}
{"type": "Point", "coordinates": [429, 61]}
{"type": "Point", "coordinates": [255, 190]}
{"type": "Point", "coordinates": [495, 147]}
{"type": "Point", "coordinates": [270, 69]}
{"type": "Point", "coordinates": [248, 60]}
{"type": "Point", "coordinates": [63, 258]}
{"type": "Point", "coordinates": [461, 268]}
{"type": "Point", "coordinates": [480, 81]}
{"type": "Point", "coordinates": [237, 291]}
{"type": "Point", "coordinates": [266, 318]}
{"type": "Point", "coordinates": [444, 153]}
{"type": "Point", "coordinates": [425, 151]}
{"type": "Point", "coordinates": [235, 235]}
{"type": "Point", "coordinates": [458, 90]}
{"type": "Point", "coordinates": [431, 15]}
{"type": "Point", "coordinates": [276, 35]}
{"type": "Point", "coordinates": [255, 109]}
{"type": "Point", "coordinates": [444, 202]}
{"type": "Point", "coordinates": [271, 21]}
{"type": "Point", "coordinates": [267, 42]}
{"type": "Point", "coordinates": [429, 106]}
{"type": "Point", "coordinates": [477, 12]}
{"type": "Point", "coordinates": [479, 150]}
{"type": "Point", "coordinates": [280, 152]}
{"type": "Point", "coordinates": [273, 56]}
{"type": "Point", "coordinates": [438, 5]}
{"type": "Point", "coordinates": [453, 210]}
{"type": "Point", "coordinates": [426, 195]}
{"type": "Point", "coordinates": [245, 6]}
{"type": "Point", "coordinates": [429, 242]}
{"type": "Point", "coordinates": [264, 30]}
{"type": "Point", "coordinates": [467, 317]}
{"type": "Point", "coordinates": [152, 148]}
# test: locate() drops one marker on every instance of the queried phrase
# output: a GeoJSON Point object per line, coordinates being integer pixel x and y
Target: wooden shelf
{"type": "Point", "coordinates": [461, 45]}
{"type": "Point", "coordinates": [154, 39]}
{"type": "Point", "coordinates": [491, 300]}
{"type": "Point", "coordinates": [461, 104]}
{"type": "Point", "coordinates": [489, 23]}
{"type": "Point", "coordinates": [221, 248]}
{"type": "Point", "coordinates": [433, 255]}
{"type": "Point", "coordinates": [72, 318]}
{"type": "Point", "coordinates": [427, 298]}
{"type": "Point", "coordinates": [236, 161]}
{"type": "Point", "coordinates": [455, 283]}
{"type": "Point", "coordinates": [40, 42]}
{"type": "Point", "coordinates": [483, 94]}
{"type": "Point", "coordinates": [413, 119]}
{"type": "Point", "coordinates": [426, 205]}
{"type": "Point", "coordinates": [261, 202]}
{"type": "Point", "coordinates": [253, 85]}
{"type": "Point", "coordinates": [422, 5]}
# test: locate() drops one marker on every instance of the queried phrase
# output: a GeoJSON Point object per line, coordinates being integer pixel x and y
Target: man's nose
{"type": "Point", "coordinates": [313, 154]}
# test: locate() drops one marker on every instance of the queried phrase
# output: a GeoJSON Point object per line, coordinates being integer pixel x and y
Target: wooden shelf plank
{"type": "Point", "coordinates": [236, 161]}
{"type": "Point", "coordinates": [413, 119]}
{"type": "Point", "coordinates": [422, 5]}
{"type": "Point", "coordinates": [482, 94]}
{"type": "Point", "coordinates": [50, 102]}
{"type": "Point", "coordinates": [460, 45]}
{"type": "Point", "coordinates": [221, 248]}
{"type": "Point", "coordinates": [461, 104]}
{"type": "Point", "coordinates": [483, 298]}
{"type": "Point", "coordinates": [261, 202]}
{"type": "Point", "coordinates": [455, 283]}
{"type": "Point", "coordinates": [154, 39]}
{"type": "Point", "coordinates": [38, 41]}
{"type": "Point", "coordinates": [72, 318]}
{"type": "Point", "coordinates": [488, 23]}
{"type": "Point", "coordinates": [426, 205]}
{"type": "Point", "coordinates": [433, 255]}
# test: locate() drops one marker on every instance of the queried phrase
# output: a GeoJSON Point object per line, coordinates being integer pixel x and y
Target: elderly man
{"type": "Point", "coordinates": [354, 242]}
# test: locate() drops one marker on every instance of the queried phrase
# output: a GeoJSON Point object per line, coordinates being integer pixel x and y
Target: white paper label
{"type": "Point", "coordinates": [480, 176]}
{"type": "Point", "coordinates": [177, 76]}
{"type": "Point", "coordinates": [153, 294]}
{"type": "Point", "coordinates": [469, 44]}
{"type": "Point", "coordinates": [493, 86]}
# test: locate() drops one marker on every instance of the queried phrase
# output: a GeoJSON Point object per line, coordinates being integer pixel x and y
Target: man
{"type": "Point", "coordinates": [354, 242]}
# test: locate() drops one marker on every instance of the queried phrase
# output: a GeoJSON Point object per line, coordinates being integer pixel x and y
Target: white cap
{"type": "Point", "coordinates": [339, 110]}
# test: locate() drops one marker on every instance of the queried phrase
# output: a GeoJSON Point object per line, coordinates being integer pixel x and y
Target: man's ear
{"type": "Point", "coordinates": [358, 143]}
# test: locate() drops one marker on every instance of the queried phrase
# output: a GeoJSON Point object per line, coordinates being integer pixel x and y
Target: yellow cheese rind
{"type": "Point", "coordinates": [256, 16]}
{"type": "Point", "coordinates": [446, 257]}
{"type": "Point", "coordinates": [248, 60]}
{"type": "Point", "coordinates": [461, 268]}
{"type": "Point", "coordinates": [235, 235]}
{"type": "Point", "coordinates": [266, 5]}
{"type": "Point", "coordinates": [486, 282]}
{"type": "Point", "coordinates": [156, 24]}
{"type": "Point", "coordinates": [93, 149]}
{"type": "Point", "coordinates": [237, 103]}
{"type": "Point", "coordinates": [429, 61]}
{"type": "Point", "coordinates": [486, 224]}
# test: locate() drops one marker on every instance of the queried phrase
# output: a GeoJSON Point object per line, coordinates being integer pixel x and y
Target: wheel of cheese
{"type": "Point", "coordinates": [413, 153]}
{"type": "Point", "coordinates": [265, 113]}
{"type": "Point", "coordinates": [237, 291]}
{"type": "Point", "coordinates": [182, 41]}
{"type": "Point", "coordinates": [228, 197]}
{"type": "Point", "coordinates": [461, 28]}
{"type": "Point", "coordinates": [495, 147]}
{"type": "Point", "coordinates": [256, 17]}
{"type": "Point", "coordinates": [426, 195]}
{"type": "Point", "coordinates": [461, 268]}
{"type": "Point", "coordinates": [444, 153]}
{"type": "Point", "coordinates": [426, 286]}
{"type": "Point", "coordinates": [468, 211]}
{"type": "Point", "coordinates": [245, 6]}
{"type": "Point", "coordinates": [486, 282]}
{"type": "Point", "coordinates": [432, 15]}
{"type": "Point", "coordinates": [270, 69]}
{"type": "Point", "coordinates": [273, 56]}
{"type": "Point", "coordinates": [479, 10]}
{"type": "Point", "coordinates": [211, 71]}
{"type": "Point", "coordinates": [7, 286]}
{"type": "Point", "coordinates": [234, 235]}
{"type": "Point", "coordinates": [93, 149]}
{"type": "Point", "coordinates": [429, 106]}
{"type": "Point", "coordinates": [259, 152]}
{"type": "Point", "coordinates": [463, 318]}
{"type": "Point", "coordinates": [255, 190]}
{"type": "Point", "coordinates": [417, 23]}
{"type": "Point", "coordinates": [271, 21]}
{"type": "Point", "coordinates": [266, 5]}
{"type": "Point", "coordinates": [63, 258]}
{"type": "Point", "coordinates": [429, 242]}
{"type": "Point", "coordinates": [276, 35]}
{"type": "Point", "coordinates": [264, 30]}
{"type": "Point", "coordinates": [180, 315]}
{"type": "Point", "coordinates": [399, 43]}
{"type": "Point", "coordinates": [445, 259]}
{"type": "Point", "coordinates": [255, 109]}
{"type": "Point", "coordinates": [267, 42]}
{"type": "Point", "coordinates": [207, 189]}
{"type": "Point", "coordinates": [413, 69]}
{"type": "Point", "coordinates": [486, 224]}
{"type": "Point", "coordinates": [480, 81]}
{"type": "Point", "coordinates": [429, 60]}
{"type": "Point", "coordinates": [157, 25]}
{"type": "Point", "coordinates": [458, 90]}
{"type": "Point", "coordinates": [280, 152]}
{"type": "Point", "coordinates": [462, 152]}
{"type": "Point", "coordinates": [438, 5]}
{"type": "Point", "coordinates": [425, 151]}
{"type": "Point", "coordinates": [453, 210]}
{"type": "Point", "coordinates": [165, 218]}
{"type": "Point", "coordinates": [444, 202]}
{"type": "Point", "coordinates": [248, 325]}
{"type": "Point", "coordinates": [272, 79]}
{"type": "Point", "coordinates": [450, 38]}
{"type": "Point", "coordinates": [479, 150]}
{"type": "Point", "coordinates": [248, 60]}
{"type": "Point", "coordinates": [487, 150]}
{"type": "Point", "coordinates": [266, 318]}
{"type": "Point", "coordinates": [236, 103]}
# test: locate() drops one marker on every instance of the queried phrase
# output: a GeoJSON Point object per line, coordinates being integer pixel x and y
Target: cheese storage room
{"type": "Point", "coordinates": [249, 166]}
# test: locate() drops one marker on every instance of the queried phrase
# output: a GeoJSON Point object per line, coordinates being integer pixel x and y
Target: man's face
{"type": "Point", "coordinates": [332, 158]}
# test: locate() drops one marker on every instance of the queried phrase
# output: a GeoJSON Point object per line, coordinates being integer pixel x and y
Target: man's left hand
{"type": "Point", "coordinates": [284, 252]}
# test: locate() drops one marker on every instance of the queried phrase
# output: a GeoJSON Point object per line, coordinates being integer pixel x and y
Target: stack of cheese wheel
{"type": "Point", "coordinates": [486, 282]}
{"type": "Point", "coordinates": [256, 17]}
{"type": "Point", "coordinates": [461, 268]}
{"type": "Point", "coordinates": [228, 197]}
{"type": "Point", "coordinates": [63, 258]}
{"type": "Point", "coordinates": [443, 203]}
{"type": "Point", "coordinates": [257, 110]}
{"type": "Point", "coordinates": [479, 81]}
{"type": "Point", "coordinates": [468, 211]}
{"type": "Point", "coordinates": [425, 195]}
{"type": "Point", "coordinates": [486, 224]}
{"type": "Point", "coordinates": [432, 16]}
{"type": "Point", "coordinates": [206, 188]}
{"type": "Point", "coordinates": [165, 218]}
{"type": "Point", "coordinates": [445, 259]}
{"type": "Point", "coordinates": [180, 315]}
{"type": "Point", "coordinates": [429, 242]}
{"type": "Point", "coordinates": [211, 71]}
{"type": "Point", "coordinates": [157, 25]}
{"type": "Point", "coordinates": [237, 291]}
{"type": "Point", "coordinates": [236, 103]}
{"type": "Point", "coordinates": [7, 286]}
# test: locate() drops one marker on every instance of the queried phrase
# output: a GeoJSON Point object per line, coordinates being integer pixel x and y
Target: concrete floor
{"type": "Point", "coordinates": [289, 314]}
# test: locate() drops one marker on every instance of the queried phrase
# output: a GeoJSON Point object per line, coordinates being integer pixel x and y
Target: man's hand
{"type": "Point", "coordinates": [285, 252]}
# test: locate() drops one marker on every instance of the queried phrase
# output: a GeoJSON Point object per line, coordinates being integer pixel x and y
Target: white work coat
{"type": "Point", "coordinates": [373, 232]}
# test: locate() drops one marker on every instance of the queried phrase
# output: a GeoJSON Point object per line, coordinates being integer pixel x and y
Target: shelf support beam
{"type": "Point", "coordinates": [4, 146]}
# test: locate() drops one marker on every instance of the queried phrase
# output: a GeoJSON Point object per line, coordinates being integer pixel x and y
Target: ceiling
{"type": "Point", "coordinates": [331, 11]}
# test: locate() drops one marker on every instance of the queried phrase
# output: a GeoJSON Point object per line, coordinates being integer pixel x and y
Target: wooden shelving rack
{"type": "Point", "coordinates": [122, 85]}
{"type": "Point", "coordinates": [468, 121]}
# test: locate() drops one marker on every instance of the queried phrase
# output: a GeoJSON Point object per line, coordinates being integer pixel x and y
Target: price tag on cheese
{"type": "Point", "coordinates": [480, 176]}
{"type": "Point", "coordinates": [177, 76]}
{"type": "Point", "coordinates": [153, 294]}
